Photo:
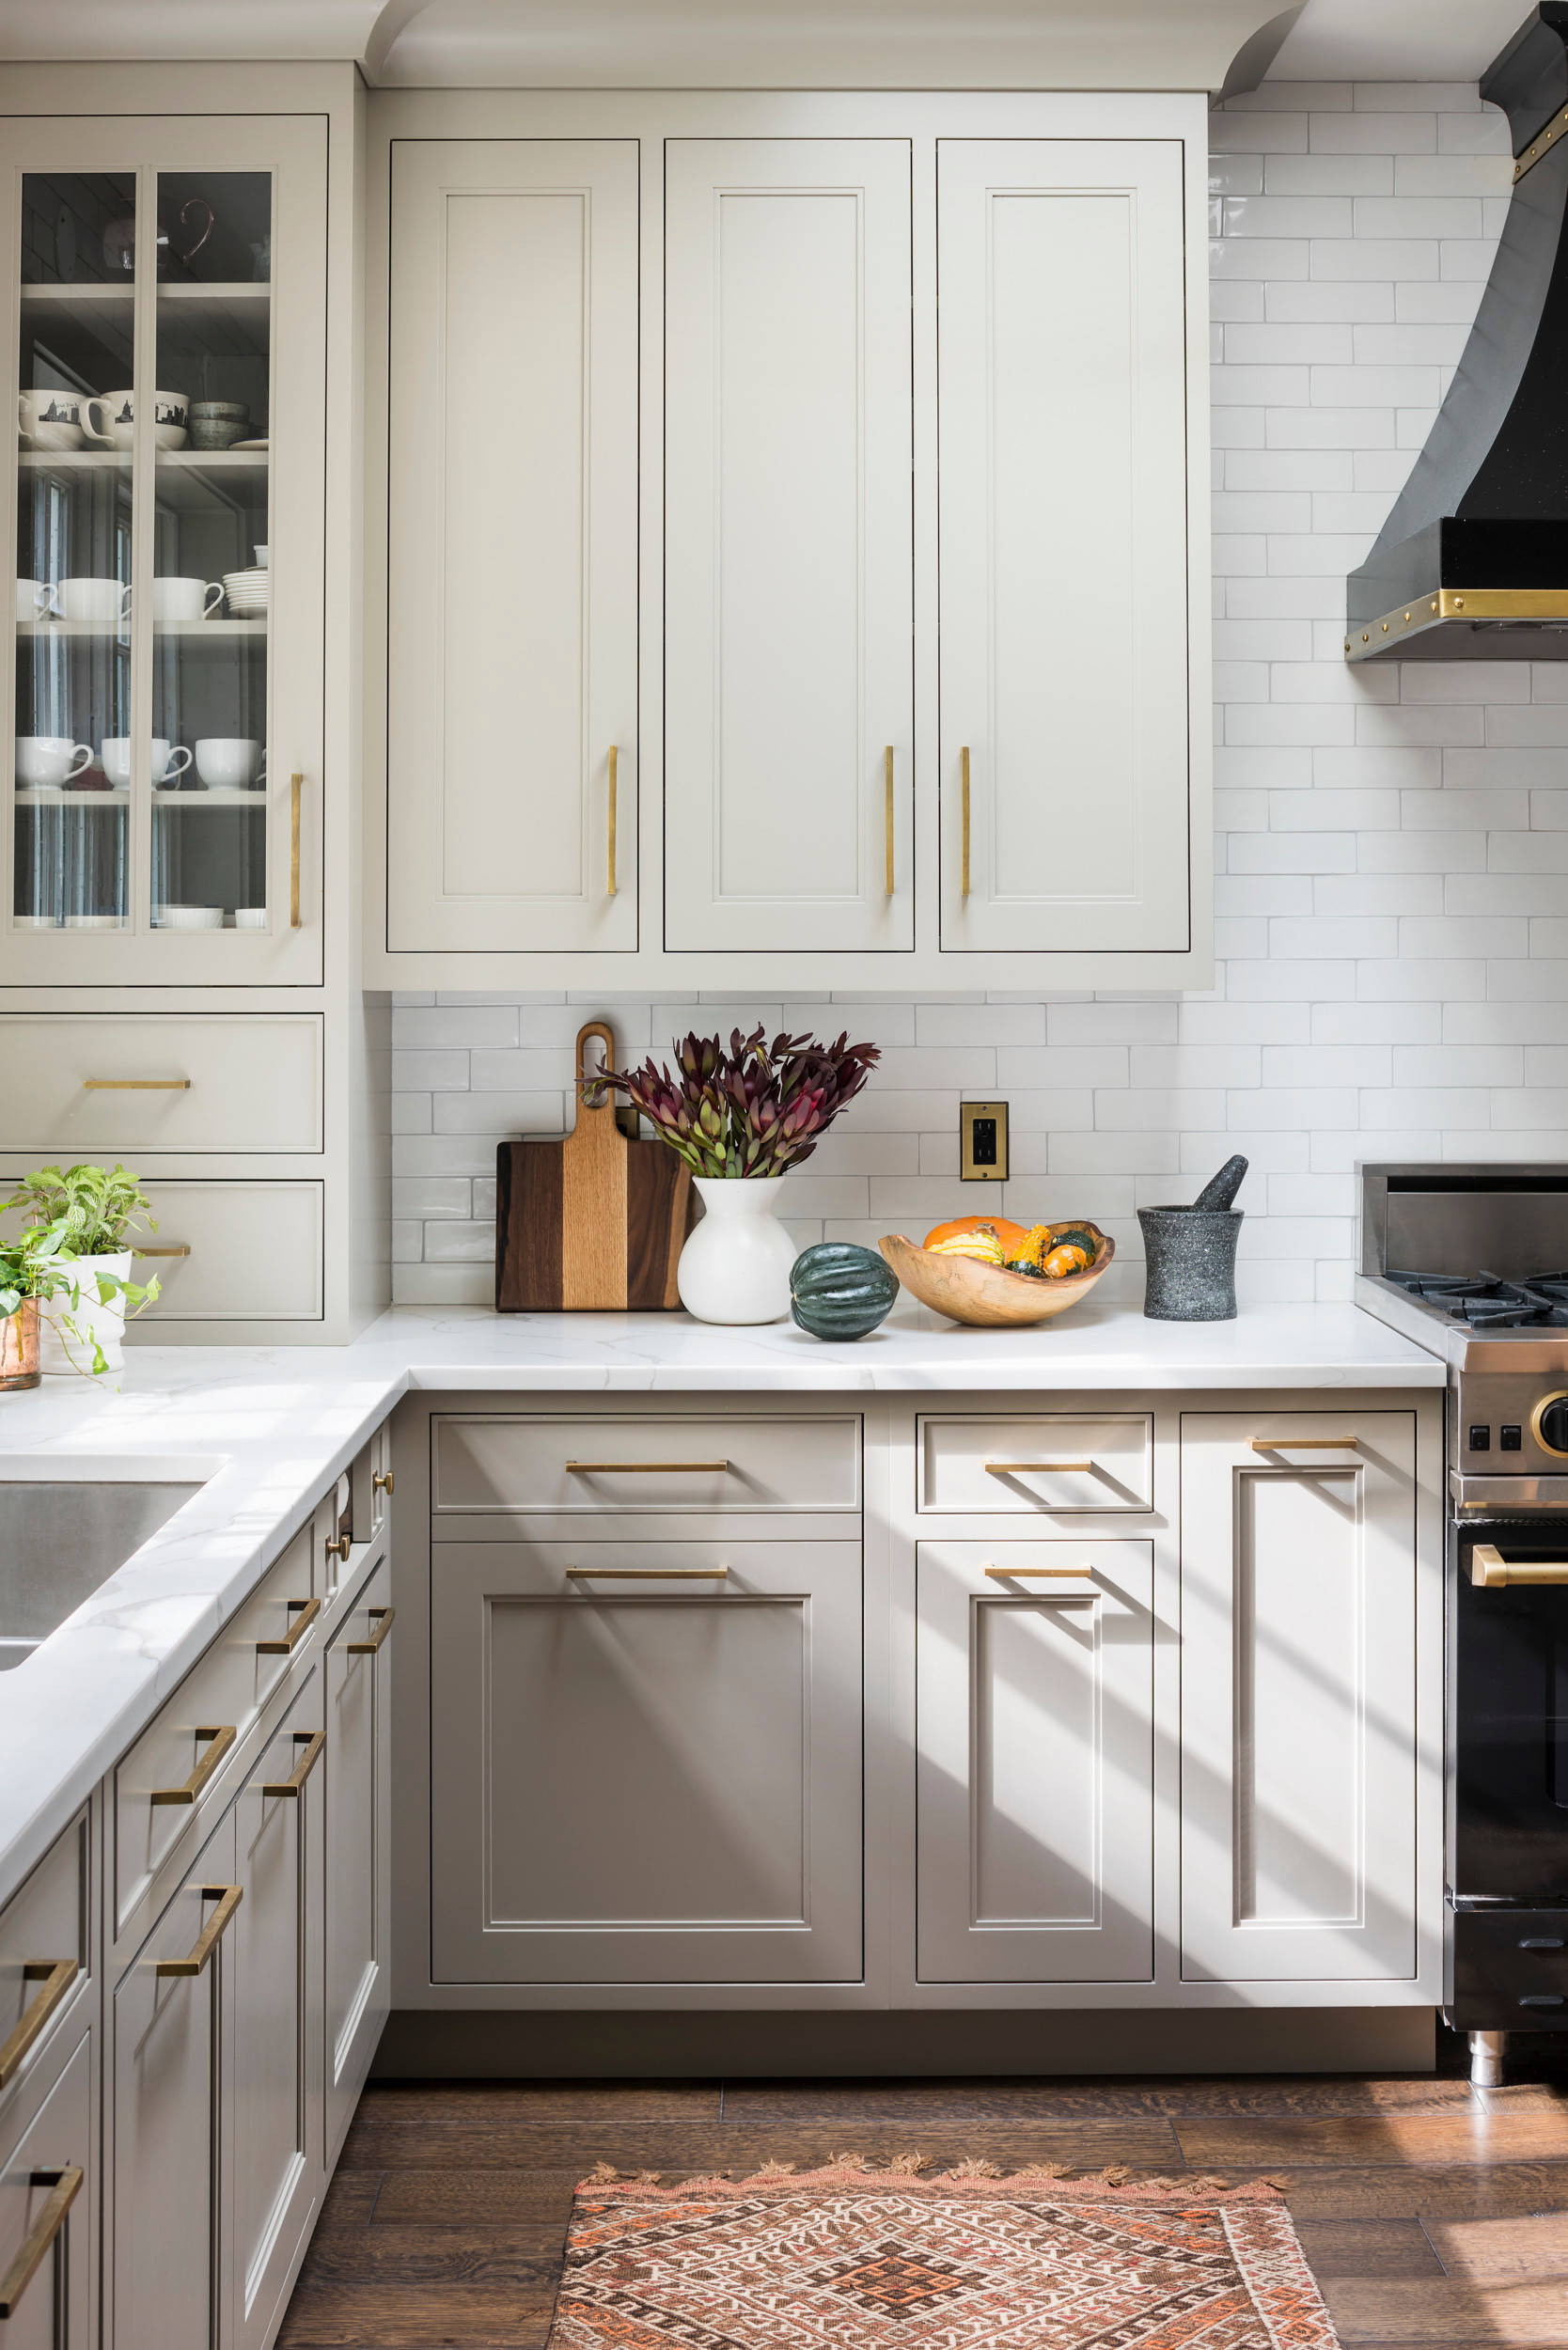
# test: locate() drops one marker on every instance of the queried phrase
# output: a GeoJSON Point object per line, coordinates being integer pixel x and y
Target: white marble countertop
{"type": "Point", "coordinates": [268, 1427]}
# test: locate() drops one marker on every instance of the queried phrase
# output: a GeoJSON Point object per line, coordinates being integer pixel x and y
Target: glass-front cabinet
{"type": "Point", "coordinates": [167, 296]}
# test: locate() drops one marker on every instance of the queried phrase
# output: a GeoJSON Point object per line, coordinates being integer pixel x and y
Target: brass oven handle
{"type": "Point", "coordinates": [228, 1897]}
{"type": "Point", "coordinates": [337, 1546]}
{"type": "Point", "coordinates": [1011, 1468]}
{"type": "Point", "coordinates": [308, 1611]}
{"type": "Point", "coordinates": [19, 2275]}
{"type": "Point", "coordinates": [312, 1741]}
{"type": "Point", "coordinates": [1306, 1444]}
{"type": "Point", "coordinates": [165, 1249]}
{"type": "Point", "coordinates": [1019, 1575]}
{"type": "Point", "coordinates": [638, 1468]}
{"type": "Point", "coordinates": [964, 808]}
{"type": "Point", "coordinates": [296, 785]}
{"type": "Point", "coordinates": [646, 1575]}
{"type": "Point", "coordinates": [384, 1618]}
{"type": "Point", "coordinates": [381, 1481]}
{"type": "Point", "coordinates": [219, 1741]}
{"type": "Point", "coordinates": [1490, 1571]}
{"type": "Point", "coordinates": [57, 1976]}
{"type": "Point", "coordinates": [135, 1085]}
{"type": "Point", "coordinates": [614, 757]}
{"type": "Point", "coordinates": [890, 879]}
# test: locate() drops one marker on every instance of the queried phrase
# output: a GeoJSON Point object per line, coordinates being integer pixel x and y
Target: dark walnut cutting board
{"type": "Point", "coordinates": [592, 1223]}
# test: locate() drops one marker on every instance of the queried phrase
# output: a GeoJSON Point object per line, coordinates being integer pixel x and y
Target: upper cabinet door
{"type": "Point", "coordinates": [789, 784]}
{"type": "Point", "coordinates": [512, 543]}
{"type": "Point", "coordinates": [1062, 450]}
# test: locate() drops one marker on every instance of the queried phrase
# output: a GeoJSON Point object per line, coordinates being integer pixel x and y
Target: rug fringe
{"type": "Point", "coordinates": [1117, 2181]}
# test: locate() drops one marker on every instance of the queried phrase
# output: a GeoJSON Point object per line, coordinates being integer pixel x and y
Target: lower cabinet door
{"type": "Point", "coordinates": [1299, 1766]}
{"type": "Point", "coordinates": [48, 2296]}
{"type": "Point", "coordinates": [358, 1767]}
{"type": "Point", "coordinates": [1035, 1762]}
{"type": "Point", "coordinates": [274, 2103]}
{"type": "Point", "coordinates": [646, 1762]}
{"type": "Point", "coordinates": [170, 2109]}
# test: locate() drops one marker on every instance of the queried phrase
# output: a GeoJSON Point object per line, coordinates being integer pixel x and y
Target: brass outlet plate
{"type": "Point", "coordinates": [982, 1141]}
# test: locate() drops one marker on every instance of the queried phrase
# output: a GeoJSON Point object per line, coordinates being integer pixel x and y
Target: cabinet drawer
{"type": "Point", "coordinates": [46, 2184]}
{"type": "Point", "coordinates": [1046, 1464]}
{"type": "Point", "coordinates": [606, 1466]}
{"type": "Point", "coordinates": [89, 1087]}
{"type": "Point", "coordinates": [43, 1934]}
{"type": "Point", "coordinates": [254, 1254]}
{"type": "Point", "coordinates": [185, 1746]}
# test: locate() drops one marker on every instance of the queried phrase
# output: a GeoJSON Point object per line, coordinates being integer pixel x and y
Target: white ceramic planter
{"type": "Point", "coordinates": [735, 1266]}
{"type": "Point", "coordinates": [63, 1351]}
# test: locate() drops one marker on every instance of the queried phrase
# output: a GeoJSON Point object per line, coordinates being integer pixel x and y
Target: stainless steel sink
{"type": "Point", "coordinates": [67, 1525]}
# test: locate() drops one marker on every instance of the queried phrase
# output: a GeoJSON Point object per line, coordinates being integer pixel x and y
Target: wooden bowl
{"type": "Point", "coordinates": [988, 1296]}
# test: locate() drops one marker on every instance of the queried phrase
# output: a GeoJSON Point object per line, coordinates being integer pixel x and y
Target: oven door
{"type": "Point", "coordinates": [1508, 1711]}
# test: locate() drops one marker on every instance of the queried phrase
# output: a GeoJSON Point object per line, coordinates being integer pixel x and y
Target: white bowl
{"type": "Point", "coordinates": [250, 917]}
{"type": "Point", "coordinates": [188, 918]}
{"type": "Point", "coordinates": [95, 922]}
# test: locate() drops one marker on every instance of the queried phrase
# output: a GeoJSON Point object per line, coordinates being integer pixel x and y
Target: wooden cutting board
{"type": "Point", "coordinates": [592, 1223]}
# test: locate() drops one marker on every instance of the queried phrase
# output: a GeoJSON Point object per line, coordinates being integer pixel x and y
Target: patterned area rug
{"type": "Point", "coordinates": [864, 2259]}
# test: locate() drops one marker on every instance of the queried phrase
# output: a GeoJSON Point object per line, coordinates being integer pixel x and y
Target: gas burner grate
{"type": "Point", "coordinates": [1487, 1302]}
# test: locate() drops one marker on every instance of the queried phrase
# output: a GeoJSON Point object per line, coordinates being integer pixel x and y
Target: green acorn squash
{"type": "Point", "coordinates": [1074, 1235]}
{"type": "Point", "coordinates": [837, 1290]}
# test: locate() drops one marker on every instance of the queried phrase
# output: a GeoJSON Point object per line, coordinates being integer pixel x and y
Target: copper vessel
{"type": "Point", "coordinates": [18, 1346]}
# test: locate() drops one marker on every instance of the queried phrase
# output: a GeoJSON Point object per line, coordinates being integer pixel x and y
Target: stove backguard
{"type": "Point", "coordinates": [1511, 1220]}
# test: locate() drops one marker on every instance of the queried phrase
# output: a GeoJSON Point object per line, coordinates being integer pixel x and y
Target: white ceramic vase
{"type": "Point", "coordinates": [93, 1317]}
{"type": "Point", "coordinates": [735, 1266]}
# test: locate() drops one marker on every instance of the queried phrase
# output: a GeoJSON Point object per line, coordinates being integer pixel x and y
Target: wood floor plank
{"type": "Point", "coordinates": [1363, 2139]}
{"type": "Point", "coordinates": [455, 2103]}
{"type": "Point", "coordinates": [422, 2287]}
{"type": "Point", "coordinates": [491, 2197]}
{"type": "Point", "coordinates": [1492, 2250]}
{"type": "Point", "coordinates": [1002, 2102]}
{"type": "Point", "coordinates": [373, 2144]}
{"type": "Point", "coordinates": [349, 2199]}
{"type": "Point", "coordinates": [1465, 2191]}
{"type": "Point", "coordinates": [1450, 2311]}
{"type": "Point", "coordinates": [1368, 2247]}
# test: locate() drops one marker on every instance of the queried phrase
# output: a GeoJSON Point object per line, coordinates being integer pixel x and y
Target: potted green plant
{"type": "Point", "coordinates": [95, 1210]}
{"type": "Point", "coordinates": [34, 1269]}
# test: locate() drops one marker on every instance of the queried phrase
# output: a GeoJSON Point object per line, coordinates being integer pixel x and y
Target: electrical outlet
{"type": "Point", "coordinates": [983, 1140]}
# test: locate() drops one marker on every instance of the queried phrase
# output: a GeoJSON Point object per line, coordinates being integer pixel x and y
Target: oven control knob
{"type": "Point", "coordinates": [1551, 1424]}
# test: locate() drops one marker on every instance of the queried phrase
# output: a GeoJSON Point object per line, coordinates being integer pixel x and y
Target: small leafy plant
{"type": "Point", "coordinates": [69, 1214]}
{"type": "Point", "coordinates": [99, 1206]}
{"type": "Point", "coordinates": [754, 1111]}
{"type": "Point", "coordinates": [35, 1264]}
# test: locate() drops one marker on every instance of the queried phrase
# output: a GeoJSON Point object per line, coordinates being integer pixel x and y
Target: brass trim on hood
{"type": "Point", "coordinates": [1541, 145]}
{"type": "Point", "coordinates": [1455, 604]}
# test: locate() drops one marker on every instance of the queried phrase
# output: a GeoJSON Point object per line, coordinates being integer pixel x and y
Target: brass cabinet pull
{"type": "Point", "coordinates": [50, 2220]}
{"type": "Point", "coordinates": [964, 819]}
{"type": "Point", "coordinates": [312, 1741]}
{"type": "Point", "coordinates": [296, 785]}
{"type": "Point", "coordinates": [308, 1611]}
{"type": "Point", "coordinates": [891, 878]}
{"type": "Point", "coordinates": [1305, 1443]}
{"type": "Point", "coordinates": [219, 1741]}
{"type": "Point", "coordinates": [337, 1546]}
{"type": "Point", "coordinates": [57, 1976]}
{"type": "Point", "coordinates": [228, 1897]}
{"type": "Point", "coordinates": [381, 1482]}
{"type": "Point", "coordinates": [1491, 1571]}
{"type": "Point", "coordinates": [165, 1249]}
{"type": "Point", "coordinates": [640, 1468]}
{"type": "Point", "coordinates": [135, 1085]}
{"type": "Point", "coordinates": [1019, 1575]}
{"type": "Point", "coordinates": [614, 756]}
{"type": "Point", "coordinates": [384, 1618]}
{"type": "Point", "coordinates": [647, 1574]}
{"type": "Point", "coordinates": [1016, 1468]}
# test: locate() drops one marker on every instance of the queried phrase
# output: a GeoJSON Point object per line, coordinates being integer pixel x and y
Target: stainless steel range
{"type": "Point", "coordinates": [1472, 1262]}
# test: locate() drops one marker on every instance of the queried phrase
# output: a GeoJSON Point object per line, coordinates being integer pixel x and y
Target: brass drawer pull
{"type": "Point", "coordinates": [890, 879]}
{"type": "Point", "coordinates": [312, 1741]}
{"type": "Point", "coordinates": [646, 1575]}
{"type": "Point", "coordinates": [1305, 1443]}
{"type": "Point", "coordinates": [964, 820]}
{"type": "Point", "coordinates": [228, 1897]}
{"type": "Point", "coordinates": [1019, 1468]}
{"type": "Point", "coordinates": [1490, 1571]}
{"type": "Point", "coordinates": [219, 1741]}
{"type": "Point", "coordinates": [337, 1546]}
{"type": "Point", "coordinates": [57, 1976]}
{"type": "Point", "coordinates": [165, 1249]}
{"type": "Point", "coordinates": [1019, 1575]}
{"type": "Point", "coordinates": [308, 1611]}
{"type": "Point", "coordinates": [135, 1085]}
{"type": "Point", "coordinates": [610, 879]}
{"type": "Point", "coordinates": [381, 1482]}
{"type": "Point", "coordinates": [296, 785]}
{"type": "Point", "coordinates": [641, 1468]}
{"type": "Point", "coordinates": [50, 2220]}
{"type": "Point", "coordinates": [384, 1618]}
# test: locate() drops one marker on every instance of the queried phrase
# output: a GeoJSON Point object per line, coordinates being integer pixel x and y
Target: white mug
{"type": "Point", "coordinates": [114, 752]}
{"type": "Point", "coordinates": [111, 421]}
{"type": "Point", "coordinates": [260, 554]}
{"type": "Point", "coordinates": [35, 599]}
{"type": "Point", "coordinates": [44, 760]}
{"type": "Point", "coordinates": [102, 602]}
{"type": "Point", "coordinates": [175, 599]}
{"type": "Point", "coordinates": [228, 763]}
{"type": "Point", "coordinates": [50, 419]}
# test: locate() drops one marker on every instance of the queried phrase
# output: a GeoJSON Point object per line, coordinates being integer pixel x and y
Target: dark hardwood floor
{"type": "Point", "coordinates": [1431, 2213]}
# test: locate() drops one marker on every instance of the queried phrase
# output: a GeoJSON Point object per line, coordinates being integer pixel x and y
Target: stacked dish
{"type": "Point", "coordinates": [247, 592]}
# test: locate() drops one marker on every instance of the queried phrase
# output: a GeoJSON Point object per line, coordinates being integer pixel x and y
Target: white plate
{"type": "Point", "coordinates": [263, 443]}
{"type": "Point", "coordinates": [188, 918]}
{"type": "Point", "coordinates": [34, 922]}
{"type": "Point", "coordinates": [94, 922]}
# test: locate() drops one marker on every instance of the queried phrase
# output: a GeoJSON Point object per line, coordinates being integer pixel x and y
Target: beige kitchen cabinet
{"type": "Point", "coordinates": [47, 2198]}
{"type": "Point", "coordinates": [1035, 1795]}
{"type": "Point", "coordinates": [512, 548]}
{"type": "Point", "coordinates": [1301, 1767]}
{"type": "Point", "coordinates": [357, 1781]}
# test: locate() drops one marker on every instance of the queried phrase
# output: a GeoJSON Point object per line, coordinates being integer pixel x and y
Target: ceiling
{"type": "Point", "coordinates": [740, 44]}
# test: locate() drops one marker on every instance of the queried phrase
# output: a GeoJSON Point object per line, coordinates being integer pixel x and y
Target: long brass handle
{"type": "Point", "coordinates": [1037, 1574]}
{"type": "Point", "coordinates": [296, 785]}
{"type": "Point", "coordinates": [1305, 1443]}
{"type": "Point", "coordinates": [219, 1741]}
{"type": "Point", "coordinates": [1491, 1571]}
{"type": "Point", "coordinates": [638, 1468]}
{"type": "Point", "coordinates": [57, 1976]}
{"type": "Point", "coordinates": [228, 1897]}
{"type": "Point", "coordinates": [381, 1481]}
{"type": "Point", "coordinates": [50, 2220]}
{"type": "Point", "coordinates": [312, 1741]}
{"type": "Point", "coordinates": [646, 1575]}
{"type": "Point", "coordinates": [337, 1546]}
{"type": "Point", "coordinates": [384, 1618]}
{"type": "Point", "coordinates": [964, 808]}
{"type": "Point", "coordinates": [891, 877]}
{"type": "Point", "coordinates": [165, 1249]}
{"type": "Point", "coordinates": [135, 1085]}
{"type": "Point", "coordinates": [614, 758]}
{"type": "Point", "coordinates": [1013, 1468]}
{"type": "Point", "coordinates": [308, 1611]}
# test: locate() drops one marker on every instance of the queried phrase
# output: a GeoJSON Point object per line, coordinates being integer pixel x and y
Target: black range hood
{"type": "Point", "coordinates": [1472, 563]}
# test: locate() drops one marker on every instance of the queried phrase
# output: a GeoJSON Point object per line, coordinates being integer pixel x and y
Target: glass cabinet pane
{"type": "Point", "coordinates": [211, 552]}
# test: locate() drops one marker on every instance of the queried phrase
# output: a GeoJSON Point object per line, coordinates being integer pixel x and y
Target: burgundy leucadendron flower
{"type": "Point", "coordinates": [755, 1110]}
